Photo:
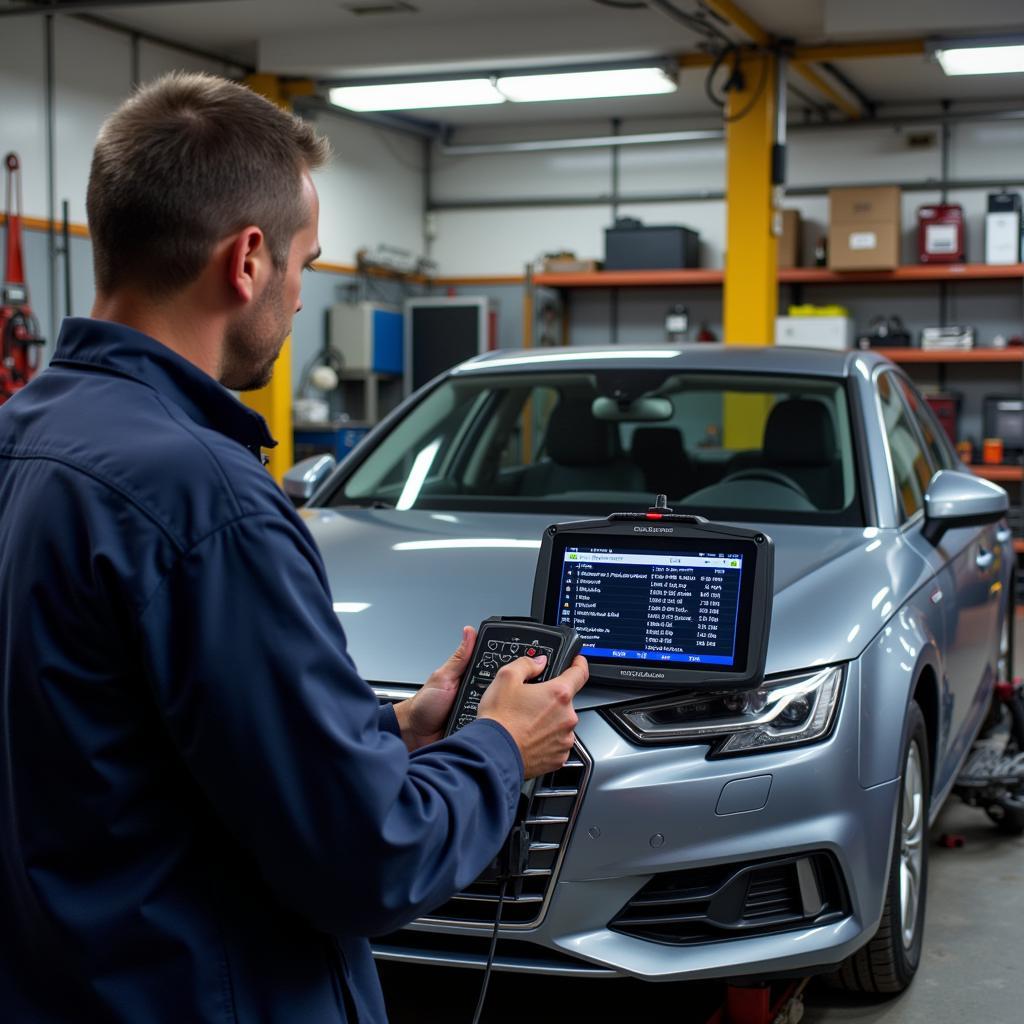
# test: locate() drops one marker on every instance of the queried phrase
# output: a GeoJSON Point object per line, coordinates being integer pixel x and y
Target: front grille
{"type": "Point", "coordinates": [549, 816]}
{"type": "Point", "coordinates": [730, 901]}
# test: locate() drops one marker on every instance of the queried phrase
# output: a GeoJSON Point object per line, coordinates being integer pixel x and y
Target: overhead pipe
{"type": "Point", "coordinates": [706, 195]}
{"type": "Point", "coordinates": [716, 134]}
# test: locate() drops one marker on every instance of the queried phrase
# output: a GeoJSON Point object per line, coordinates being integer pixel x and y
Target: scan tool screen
{"type": "Point", "coordinates": [657, 604]}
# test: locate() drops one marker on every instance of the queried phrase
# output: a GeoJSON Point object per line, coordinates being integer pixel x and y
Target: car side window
{"type": "Point", "coordinates": [911, 468]}
{"type": "Point", "coordinates": [935, 440]}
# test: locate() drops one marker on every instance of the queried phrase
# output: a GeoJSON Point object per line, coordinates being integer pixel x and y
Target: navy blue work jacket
{"type": "Point", "coordinates": [203, 810]}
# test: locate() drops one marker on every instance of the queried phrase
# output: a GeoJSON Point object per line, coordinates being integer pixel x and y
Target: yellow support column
{"type": "Point", "coordinates": [274, 402]}
{"type": "Point", "coordinates": [750, 297]}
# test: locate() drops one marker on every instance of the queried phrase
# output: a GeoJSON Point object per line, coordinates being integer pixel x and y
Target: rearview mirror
{"type": "Point", "coordinates": [956, 499]}
{"type": "Point", "coordinates": [645, 409]}
{"type": "Point", "coordinates": [306, 476]}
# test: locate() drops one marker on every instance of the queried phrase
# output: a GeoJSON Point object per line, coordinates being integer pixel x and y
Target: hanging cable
{"type": "Point", "coordinates": [735, 81]}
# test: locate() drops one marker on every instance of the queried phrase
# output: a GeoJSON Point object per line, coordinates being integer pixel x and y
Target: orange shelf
{"type": "Point", "coordinates": [794, 275]}
{"type": "Point", "coordinates": [1018, 545]}
{"type": "Point", "coordinates": [632, 279]}
{"type": "Point", "coordinates": [1000, 474]}
{"type": "Point", "coordinates": [958, 355]}
{"type": "Point", "coordinates": [924, 272]}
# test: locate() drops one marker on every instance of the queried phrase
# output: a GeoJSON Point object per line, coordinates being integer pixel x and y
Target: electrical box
{"type": "Point", "coordinates": [1003, 228]}
{"type": "Point", "coordinates": [631, 245]}
{"type": "Point", "coordinates": [940, 233]}
{"type": "Point", "coordinates": [367, 336]}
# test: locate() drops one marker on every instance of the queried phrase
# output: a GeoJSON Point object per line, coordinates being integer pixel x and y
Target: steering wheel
{"type": "Point", "coordinates": [760, 473]}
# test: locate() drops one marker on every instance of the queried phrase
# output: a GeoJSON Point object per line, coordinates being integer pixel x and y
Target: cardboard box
{"type": "Point", "coordinates": [789, 240]}
{"type": "Point", "coordinates": [864, 228]}
{"type": "Point", "coordinates": [835, 332]}
{"type": "Point", "coordinates": [873, 246]}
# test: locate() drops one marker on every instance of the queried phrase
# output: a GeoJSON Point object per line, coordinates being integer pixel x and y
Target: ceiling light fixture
{"type": "Point", "coordinates": [586, 85]}
{"type": "Point", "coordinates": [459, 92]}
{"type": "Point", "coordinates": [527, 86]}
{"type": "Point", "coordinates": [992, 55]}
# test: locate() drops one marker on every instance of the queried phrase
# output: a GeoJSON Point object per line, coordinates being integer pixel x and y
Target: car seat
{"type": "Point", "coordinates": [582, 454]}
{"type": "Point", "coordinates": [800, 441]}
{"type": "Point", "coordinates": [661, 454]}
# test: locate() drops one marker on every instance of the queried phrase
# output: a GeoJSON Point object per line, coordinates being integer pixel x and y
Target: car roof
{"type": "Point", "coordinates": [676, 358]}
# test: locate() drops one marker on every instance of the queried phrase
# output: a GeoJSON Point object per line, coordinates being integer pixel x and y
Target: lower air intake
{"type": "Point", "coordinates": [731, 901]}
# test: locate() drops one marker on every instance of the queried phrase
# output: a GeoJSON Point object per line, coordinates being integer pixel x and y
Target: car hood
{"type": "Point", "coordinates": [404, 583]}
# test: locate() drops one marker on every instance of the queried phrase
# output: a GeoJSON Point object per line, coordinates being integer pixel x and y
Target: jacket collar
{"type": "Point", "coordinates": [114, 348]}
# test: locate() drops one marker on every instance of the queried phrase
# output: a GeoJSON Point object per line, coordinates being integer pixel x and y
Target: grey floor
{"type": "Point", "coordinates": [972, 969]}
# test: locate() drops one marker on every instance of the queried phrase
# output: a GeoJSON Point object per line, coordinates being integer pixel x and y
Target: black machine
{"type": "Point", "coordinates": [661, 601]}
{"type": "Point", "coordinates": [653, 600]}
{"type": "Point", "coordinates": [500, 641]}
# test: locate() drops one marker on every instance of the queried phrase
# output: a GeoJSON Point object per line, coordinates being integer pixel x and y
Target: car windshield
{"type": "Point", "coordinates": [734, 446]}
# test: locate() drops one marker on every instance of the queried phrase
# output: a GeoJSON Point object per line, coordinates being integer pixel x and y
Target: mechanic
{"type": "Point", "coordinates": [205, 811]}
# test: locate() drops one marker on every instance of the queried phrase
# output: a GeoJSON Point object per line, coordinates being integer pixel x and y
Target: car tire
{"type": "Point", "coordinates": [888, 963]}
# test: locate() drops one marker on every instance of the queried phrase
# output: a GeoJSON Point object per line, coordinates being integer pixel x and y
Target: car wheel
{"type": "Point", "coordinates": [888, 963]}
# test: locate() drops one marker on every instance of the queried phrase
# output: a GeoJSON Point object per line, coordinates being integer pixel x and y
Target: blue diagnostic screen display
{"type": "Point", "coordinates": [653, 605]}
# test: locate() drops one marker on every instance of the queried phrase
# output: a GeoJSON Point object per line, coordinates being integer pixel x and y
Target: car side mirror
{"type": "Point", "coordinates": [956, 499]}
{"type": "Point", "coordinates": [306, 476]}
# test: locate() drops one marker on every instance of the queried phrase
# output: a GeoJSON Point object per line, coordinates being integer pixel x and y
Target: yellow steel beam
{"type": "Point", "coordinates": [829, 51]}
{"type": "Point", "coordinates": [810, 74]}
{"type": "Point", "coordinates": [739, 19]}
{"type": "Point", "coordinates": [736, 16]}
{"type": "Point", "coordinates": [859, 51]}
{"type": "Point", "coordinates": [274, 402]}
{"type": "Point", "coordinates": [751, 256]}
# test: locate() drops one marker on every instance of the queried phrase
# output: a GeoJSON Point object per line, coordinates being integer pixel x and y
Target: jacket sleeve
{"type": "Point", "coordinates": [249, 667]}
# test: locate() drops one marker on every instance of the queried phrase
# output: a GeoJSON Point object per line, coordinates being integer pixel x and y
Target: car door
{"type": "Point", "coordinates": [963, 563]}
{"type": "Point", "coordinates": [977, 578]}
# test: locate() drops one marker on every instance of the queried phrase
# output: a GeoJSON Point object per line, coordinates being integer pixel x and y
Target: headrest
{"type": "Point", "coordinates": [575, 438]}
{"type": "Point", "coordinates": [658, 444]}
{"type": "Point", "coordinates": [799, 432]}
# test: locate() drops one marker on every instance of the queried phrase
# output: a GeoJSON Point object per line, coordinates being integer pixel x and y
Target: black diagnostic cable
{"type": "Point", "coordinates": [511, 865]}
{"type": "Point", "coordinates": [490, 954]}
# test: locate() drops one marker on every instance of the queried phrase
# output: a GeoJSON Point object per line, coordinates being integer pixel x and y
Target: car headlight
{"type": "Point", "coordinates": [779, 713]}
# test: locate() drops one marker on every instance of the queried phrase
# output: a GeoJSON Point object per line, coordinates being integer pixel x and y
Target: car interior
{"type": "Point", "coordinates": [712, 442]}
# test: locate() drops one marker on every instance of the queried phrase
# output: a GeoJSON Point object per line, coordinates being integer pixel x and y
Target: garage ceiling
{"type": "Point", "coordinates": [326, 39]}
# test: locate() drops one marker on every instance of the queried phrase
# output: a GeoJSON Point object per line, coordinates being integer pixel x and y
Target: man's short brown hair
{"type": "Point", "coordinates": [182, 164]}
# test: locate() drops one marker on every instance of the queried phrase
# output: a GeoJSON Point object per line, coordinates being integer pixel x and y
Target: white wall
{"type": "Point", "coordinates": [500, 241]}
{"type": "Point", "coordinates": [371, 193]}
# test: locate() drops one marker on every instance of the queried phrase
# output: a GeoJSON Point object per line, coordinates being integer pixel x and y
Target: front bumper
{"type": "Point", "coordinates": [652, 810]}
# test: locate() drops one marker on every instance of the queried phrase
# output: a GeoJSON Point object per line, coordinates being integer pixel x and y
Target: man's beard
{"type": "Point", "coordinates": [252, 343]}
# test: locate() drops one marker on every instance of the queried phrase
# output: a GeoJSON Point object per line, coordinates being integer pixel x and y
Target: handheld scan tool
{"type": "Point", "coordinates": [500, 641]}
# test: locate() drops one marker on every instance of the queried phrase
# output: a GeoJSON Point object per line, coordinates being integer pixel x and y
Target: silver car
{"type": "Point", "coordinates": [695, 835]}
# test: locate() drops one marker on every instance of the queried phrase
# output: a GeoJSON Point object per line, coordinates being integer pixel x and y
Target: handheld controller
{"type": "Point", "coordinates": [500, 641]}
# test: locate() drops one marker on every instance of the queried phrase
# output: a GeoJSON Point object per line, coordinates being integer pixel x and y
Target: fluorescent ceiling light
{"type": "Point", "coordinates": [985, 59]}
{"type": "Point", "coordinates": [504, 88]}
{"type": "Point", "coordinates": [460, 92]}
{"type": "Point", "coordinates": [350, 607]}
{"type": "Point", "coordinates": [586, 85]}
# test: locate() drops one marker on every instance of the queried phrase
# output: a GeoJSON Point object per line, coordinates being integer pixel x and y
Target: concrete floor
{"type": "Point", "coordinates": [970, 969]}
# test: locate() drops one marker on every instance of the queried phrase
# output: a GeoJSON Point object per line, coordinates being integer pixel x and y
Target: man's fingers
{"type": "Point", "coordinates": [465, 649]}
{"type": "Point", "coordinates": [524, 668]}
{"type": "Point", "coordinates": [577, 674]}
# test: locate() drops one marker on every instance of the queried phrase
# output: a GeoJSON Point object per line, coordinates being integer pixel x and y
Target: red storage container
{"type": "Point", "coordinates": [947, 411]}
{"type": "Point", "coordinates": [940, 233]}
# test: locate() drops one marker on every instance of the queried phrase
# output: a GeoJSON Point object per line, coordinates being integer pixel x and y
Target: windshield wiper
{"type": "Point", "coordinates": [366, 503]}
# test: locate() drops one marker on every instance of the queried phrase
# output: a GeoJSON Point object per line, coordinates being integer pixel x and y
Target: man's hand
{"type": "Point", "coordinates": [539, 716]}
{"type": "Point", "coordinates": [422, 718]}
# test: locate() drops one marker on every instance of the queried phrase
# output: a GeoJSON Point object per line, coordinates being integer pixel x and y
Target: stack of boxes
{"type": "Point", "coordinates": [864, 228]}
